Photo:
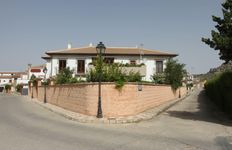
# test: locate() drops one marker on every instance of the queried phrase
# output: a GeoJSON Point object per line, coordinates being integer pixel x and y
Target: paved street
{"type": "Point", "coordinates": [191, 124]}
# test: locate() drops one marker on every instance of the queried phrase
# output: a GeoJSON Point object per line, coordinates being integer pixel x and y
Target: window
{"type": "Point", "coordinates": [80, 66]}
{"type": "Point", "coordinates": [109, 60]}
{"type": "Point", "coordinates": [62, 65]}
{"type": "Point", "coordinates": [10, 81]}
{"type": "Point", "coordinates": [133, 62]}
{"type": "Point", "coordinates": [159, 66]}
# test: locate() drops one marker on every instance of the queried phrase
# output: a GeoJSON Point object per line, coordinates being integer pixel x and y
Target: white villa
{"type": "Point", "coordinates": [80, 59]}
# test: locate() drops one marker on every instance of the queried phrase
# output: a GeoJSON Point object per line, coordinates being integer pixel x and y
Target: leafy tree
{"type": "Point", "coordinates": [222, 38]}
{"type": "Point", "coordinates": [174, 73]}
{"type": "Point", "coordinates": [33, 79]}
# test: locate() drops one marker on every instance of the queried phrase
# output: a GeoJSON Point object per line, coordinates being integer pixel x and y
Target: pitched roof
{"type": "Point", "coordinates": [45, 56]}
{"type": "Point", "coordinates": [13, 72]}
{"type": "Point", "coordinates": [110, 51]}
{"type": "Point", "coordinates": [9, 75]}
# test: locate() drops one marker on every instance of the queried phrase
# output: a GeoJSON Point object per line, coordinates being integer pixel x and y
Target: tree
{"type": "Point", "coordinates": [174, 73]}
{"type": "Point", "coordinates": [33, 79]}
{"type": "Point", "coordinates": [222, 38]}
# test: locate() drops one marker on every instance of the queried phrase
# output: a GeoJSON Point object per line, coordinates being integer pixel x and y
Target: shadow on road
{"type": "Point", "coordinates": [206, 111]}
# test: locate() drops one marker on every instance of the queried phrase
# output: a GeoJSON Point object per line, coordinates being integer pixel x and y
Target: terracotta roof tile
{"type": "Point", "coordinates": [8, 72]}
{"type": "Point", "coordinates": [110, 51]}
{"type": "Point", "coordinates": [37, 67]}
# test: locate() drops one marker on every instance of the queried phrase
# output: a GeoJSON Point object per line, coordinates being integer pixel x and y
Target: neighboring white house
{"type": "Point", "coordinates": [36, 70]}
{"type": "Point", "coordinates": [13, 78]}
{"type": "Point", "coordinates": [79, 59]}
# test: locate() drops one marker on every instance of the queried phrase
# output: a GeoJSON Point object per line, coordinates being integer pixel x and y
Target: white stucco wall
{"type": "Point", "coordinates": [149, 61]}
{"type": "Point", "coordinates": [54, 66]}
{"type": "Point", "coordinates": [150, 68]}
{"type": "Point", "coordinates": [37, 74]}
{"type": "Point", "coordinates": [5, 81]}
{"type": "Point", "coordinates": [48, 65]}
{"type": "Point", "coordinates": [22, 81]}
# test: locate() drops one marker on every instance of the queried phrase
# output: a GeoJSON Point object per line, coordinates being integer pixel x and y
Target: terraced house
{"type": "Point", "coordinates": [146, 61]}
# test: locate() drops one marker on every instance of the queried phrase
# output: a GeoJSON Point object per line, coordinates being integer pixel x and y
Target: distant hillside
{"type": "Point", "coordinates": [214, 71]}
{"type": "Point", "coordinates": [222, 68]}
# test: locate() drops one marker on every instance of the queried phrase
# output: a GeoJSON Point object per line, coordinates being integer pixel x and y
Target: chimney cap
{"type": "Point", "coordinates": [69, 45]}
{"type": "Point", "coordinates": [90, 44]}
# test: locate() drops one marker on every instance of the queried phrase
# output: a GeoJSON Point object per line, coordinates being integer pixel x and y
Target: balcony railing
{"type": "Point", "coordinates": [127, 70]}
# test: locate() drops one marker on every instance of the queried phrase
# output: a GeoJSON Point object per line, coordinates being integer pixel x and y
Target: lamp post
{"type": "Point", "coordinates": [100, 50]}
{"type": "Point", "coordinates": [45, 72]}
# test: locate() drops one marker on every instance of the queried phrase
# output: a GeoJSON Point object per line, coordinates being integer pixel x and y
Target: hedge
{"type": "Point", "coordinates": [219, 90]}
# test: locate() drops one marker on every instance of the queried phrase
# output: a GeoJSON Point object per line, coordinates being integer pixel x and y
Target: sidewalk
{"type": "Point", "coordinates": [146, 115]}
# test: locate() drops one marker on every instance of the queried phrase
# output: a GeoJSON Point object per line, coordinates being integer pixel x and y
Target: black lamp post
{"type": "Point", "coordinates": [45, 72]}
{"type": "Point", "coordinates": [100, 50]}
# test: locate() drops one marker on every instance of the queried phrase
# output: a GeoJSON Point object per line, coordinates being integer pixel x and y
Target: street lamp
{"type": "Point", "coordinates": [100, 50]}
{"type": "Point", "coordinates": [45, 70]}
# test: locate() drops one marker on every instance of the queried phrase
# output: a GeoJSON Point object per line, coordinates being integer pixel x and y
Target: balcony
{"type": "Point", "coordinates": [127, 69]}
{"type": "Point", "coordinates": [140, 69]}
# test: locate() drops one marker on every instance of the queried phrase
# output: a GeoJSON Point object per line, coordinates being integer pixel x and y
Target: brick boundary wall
{"type": "Point", "coordinates": [83, 98]}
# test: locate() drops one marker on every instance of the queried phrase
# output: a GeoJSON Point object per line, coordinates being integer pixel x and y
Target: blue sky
{"type": "Point", "coordinates": [28, 28]}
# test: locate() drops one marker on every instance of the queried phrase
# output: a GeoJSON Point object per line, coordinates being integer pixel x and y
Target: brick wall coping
{"type": "Point", "coordinates": [104, 83]}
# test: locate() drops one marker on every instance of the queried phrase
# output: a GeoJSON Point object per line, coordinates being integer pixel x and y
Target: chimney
{"type": "Point", "coordinates": [90, 44]}
{"type": "Point", "coordinates": [69, 45]}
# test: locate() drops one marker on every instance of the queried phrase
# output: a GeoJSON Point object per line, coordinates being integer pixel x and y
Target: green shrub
{"type": "Point", "coordinates": [219, 90]}
{"type": "Point", "coordinates": [119, 84]}
{"type": "Point", "coordinates": [131, 65]}
{"type": "Point", "coordinates": [64, 76]}
{"type": "Point", "coordinates": [111, 73]}
{"type": "Point", "coordinates": [73, 80]}
{"type": "Point", "coordinates": [189, 86]}
{"type": "Point", "coordinates": [7, 87]}
{"type": "Point", "coordinates": [91, 76]}
{"type": "Point", "coordinates": [159, 78]}
{"type": "Point", "coordinates": [19, 87]}
{"type": "Point", "coordinates": [45, 83]}
{"type": "Point", "coordinates": [133, 77]}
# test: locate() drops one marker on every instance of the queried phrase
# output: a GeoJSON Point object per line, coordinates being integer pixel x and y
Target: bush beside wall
{"type": "Point", "coordinates": [219, 90]}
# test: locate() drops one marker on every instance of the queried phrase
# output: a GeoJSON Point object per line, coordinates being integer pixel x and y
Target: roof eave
{"type": "Point", "coordinates": [112, 54]}
{"type": "Point", "coordinates": [46, 57]}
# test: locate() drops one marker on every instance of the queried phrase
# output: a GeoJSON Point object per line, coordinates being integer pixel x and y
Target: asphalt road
{"type": "Point", "coordinates": [191, 124]}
